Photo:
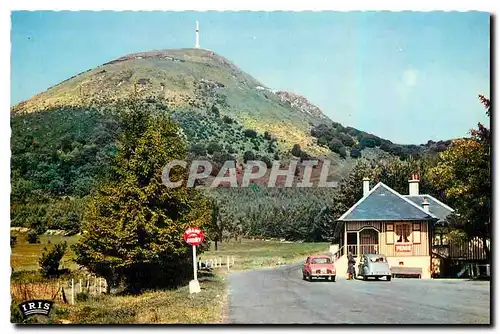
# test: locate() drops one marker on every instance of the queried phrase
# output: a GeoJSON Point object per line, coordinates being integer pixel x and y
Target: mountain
{"type": "Point", "coordinates": [186, 80]}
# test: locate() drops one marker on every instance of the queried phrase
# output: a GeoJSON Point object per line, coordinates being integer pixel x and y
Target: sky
{"type": "Point", "coordinates": [408, 77]}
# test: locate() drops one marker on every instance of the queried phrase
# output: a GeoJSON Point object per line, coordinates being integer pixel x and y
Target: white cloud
{"type": "Point", "coordinates": [410, 77]}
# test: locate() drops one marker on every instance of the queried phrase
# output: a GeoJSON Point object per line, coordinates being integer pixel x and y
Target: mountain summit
{"type": "Point", "coordinates": [189, 80]}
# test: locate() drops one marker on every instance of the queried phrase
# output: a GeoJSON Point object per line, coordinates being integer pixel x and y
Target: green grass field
{"type": "Point", "coordinates": [24, 256]}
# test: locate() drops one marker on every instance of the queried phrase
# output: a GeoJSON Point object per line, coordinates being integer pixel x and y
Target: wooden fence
{"type": "Point", "coordinates": [216, 262]}
{"type": "Point", "coordinates": [63, 291]}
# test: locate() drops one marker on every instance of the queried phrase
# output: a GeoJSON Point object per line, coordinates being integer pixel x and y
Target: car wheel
{"type": "Point", "coordinates": [309, 278]}
{"type": "Point", "coordinates": [303, 276]}
{"type": "Point", "coordinates": [365, 278]}
{"type": "Point", "coordinates": [332, 278]}
{"type": "Point", "coordinates": [377, 278]}
{"type": "Point", "coordinates": [389, 278]}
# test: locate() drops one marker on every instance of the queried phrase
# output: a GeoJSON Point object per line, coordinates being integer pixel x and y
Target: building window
{"type": "Point", "coordinates": [403, 232]}
{"type": "Point", "coordinates": [416, 233]}
{"type": "Point", "coordinates": [389, 234]}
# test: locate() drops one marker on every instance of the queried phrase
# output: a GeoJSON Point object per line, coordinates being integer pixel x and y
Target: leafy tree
{"type": "Point", "coordinates": [134, 224]}
{"type": "Point", "coordinates": [267, 135]}
{"type": "Point", "coordinates": [463, 173]}
{"type": "Point", "coordinates": [50, 259]}
{"type": "Point", "coordinates": [248, 155]}
{"type": "Point", "coordinates": [250, 133]}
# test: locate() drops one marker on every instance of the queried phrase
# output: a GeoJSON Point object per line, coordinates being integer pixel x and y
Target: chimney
{"type": "Point", "coordinates": [413, 184]}
{"type": "Point", "coordinates": [425, 205]}
{"type": "Point", "coordinates": [366, 186]}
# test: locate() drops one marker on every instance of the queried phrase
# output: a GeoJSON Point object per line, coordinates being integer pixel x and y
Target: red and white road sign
{"type": "Point", "coordinates": [194, 236]}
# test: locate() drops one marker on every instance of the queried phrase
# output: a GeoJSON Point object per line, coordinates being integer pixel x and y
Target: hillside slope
{"type": "Point", "coordinates": [189, 80]}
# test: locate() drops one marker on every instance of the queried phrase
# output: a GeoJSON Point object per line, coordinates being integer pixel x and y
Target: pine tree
{"type": "Point", "coordinates": [133, 227]}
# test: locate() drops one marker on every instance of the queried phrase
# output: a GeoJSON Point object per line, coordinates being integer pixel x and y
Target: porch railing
{"type": "Point", "coordinates": [363, 249]}
{"type": "Point", "coordinates": [338, 254]}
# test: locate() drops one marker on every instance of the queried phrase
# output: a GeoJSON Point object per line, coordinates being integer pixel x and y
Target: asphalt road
{"type": "Point", "coordinates": [280, 296]}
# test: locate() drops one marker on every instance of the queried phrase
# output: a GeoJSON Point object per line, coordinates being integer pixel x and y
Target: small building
{"type": "Point", "coordinates": [399, 226]}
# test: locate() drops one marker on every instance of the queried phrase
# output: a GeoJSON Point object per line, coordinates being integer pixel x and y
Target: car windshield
{"type": "Point", "coordinates": [377, 259]}
{"type": "Point", "coordinates": [320, 260]}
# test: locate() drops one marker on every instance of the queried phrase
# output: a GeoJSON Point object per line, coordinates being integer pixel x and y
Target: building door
{"type": "Point", "coordinates": [368, 241]}
{"type": "Point", "coordinates": [352, 243]}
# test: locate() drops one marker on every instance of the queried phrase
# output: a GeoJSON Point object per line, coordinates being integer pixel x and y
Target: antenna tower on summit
{"type": "Point", "coordinates": [197, 36]}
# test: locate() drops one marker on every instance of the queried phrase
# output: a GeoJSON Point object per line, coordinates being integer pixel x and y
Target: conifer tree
{"type": "Point", "coordinates": [133, 227]}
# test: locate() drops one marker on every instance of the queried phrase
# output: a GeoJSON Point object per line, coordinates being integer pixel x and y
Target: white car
{"type": "Point", "coordinates": [374, 265]}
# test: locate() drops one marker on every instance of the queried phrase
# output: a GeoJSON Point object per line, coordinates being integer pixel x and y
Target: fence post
{"type": "Point", "coordinates": [72, 292]}
{"type": "Point", "coordinates": [80, 286]}
{"type": "Point", "coordinates": [220, 262]}
{"type": "Point", "coordinates": [232, 260]}
{"type": "Point", "coordinates": [227, 263]}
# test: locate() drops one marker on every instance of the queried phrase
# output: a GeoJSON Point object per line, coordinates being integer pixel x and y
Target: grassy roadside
{"type": "Point", "coordinates": [154, 307]}
{"type": "Point", "coordinates": [164, 306]}
{"type": "Point", "coordinates": [253, 254]}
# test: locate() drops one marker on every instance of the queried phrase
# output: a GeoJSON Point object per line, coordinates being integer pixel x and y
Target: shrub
{"type": "Point", "coordinates": [32, 237]}
{"type": "Point", "coordinates": [321, 130]}
{"type": "Point", "coordinates": [342, 152]}
{"type": "Point", "coordinates": [38, 225]}
{"type": "Point", "coordinates": [265, 159]}
{"type": "Point", "coordinates": [221, 157]}
{"type": "Point", "coordinates": [198, 149]}
{"type": "Point", "coordinates": [227, 119]}
{"type": "Point", "coordinates": [213, 147]}
{"type": "Point", "coordinates": [230, 149]}
{"type": "Point", "coordinates": [82, 296]}
{"type": "Point", "coordinates": [13, 240]}
{"type": "Point", "coordinates": [346, 140]}
{"type": "Point", "coordinates": [369, 141]}
{"type": "Point", "coordinates": [335, 145]}
{"type": "Point", "coordinates": [304, 156]}
{"type": "Point", "coordinates": [296, 151]}
{"type": "Point", "coordinates": [248, 155]}
{"type": "Point", "coordinates": [50, 259]}
{"type": "Point", "coordinates": [267, 135]}
{"type": "Point", "coordinates": [322, 141]}
{"type": "Point", "coordinates": [250, 133]}
{"type": "Point", "coordinates": [355, 153]}
{"type": "Point", "coordinates": [215, 111]}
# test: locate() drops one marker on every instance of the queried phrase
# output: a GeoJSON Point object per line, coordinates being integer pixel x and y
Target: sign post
{"type": "Point", "coordinates": [194, 237]}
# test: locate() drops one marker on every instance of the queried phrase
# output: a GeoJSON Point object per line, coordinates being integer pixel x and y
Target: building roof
{"type": "Point", "coordinates": [384, 203]}
{"type": "Point", "coordinates": [437, 208]}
